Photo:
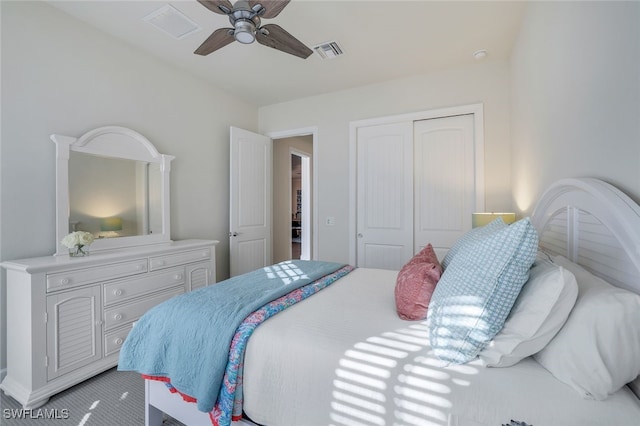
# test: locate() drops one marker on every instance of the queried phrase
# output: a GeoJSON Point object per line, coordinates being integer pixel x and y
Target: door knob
{"type": "Point", "coordinates": [234, 234]}
{"type": "Point", "coordinates": [359, 235]}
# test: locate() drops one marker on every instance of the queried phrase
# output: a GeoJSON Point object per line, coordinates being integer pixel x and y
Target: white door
{"type": "Point", "coordinates": [444, 193]}
{"type": "Point", "coordinates": [250, 201]}
{"type": "Point", "coordinates": [384, 195]}
{"type": "Point", "coordinates": [416, 184]}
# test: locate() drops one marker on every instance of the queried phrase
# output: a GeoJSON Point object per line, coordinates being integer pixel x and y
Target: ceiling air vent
{"type": "Point", "coordinates": [328, 50]}
{"type": "Point", "coordinates": [172, 21]}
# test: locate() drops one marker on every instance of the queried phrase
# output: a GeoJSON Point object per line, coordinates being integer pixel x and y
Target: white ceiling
{"type": "Point", "coordinates": [382, 40]}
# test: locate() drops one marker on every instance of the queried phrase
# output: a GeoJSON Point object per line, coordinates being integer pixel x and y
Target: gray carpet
{"type": "Point", "coordinates": [113, 398]}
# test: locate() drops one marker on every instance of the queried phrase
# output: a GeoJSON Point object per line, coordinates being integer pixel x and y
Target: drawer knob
{"type": "Point", "coordinates": [139, 267]}
{"type": "Point", "coordinates": [65, 281]}
{"type": "Point", "coordinates": [117, 292]}
{"type": "Point", "coordinates": [118, 341]}
{"type": "Point", "coordinates": [160, 263]}
{"type": "Point", "coordinates": [205, 254]}
{"type": "Point", "coordinates": [117, 317]}
{"type": "Point", "coordinates": [178, 276]}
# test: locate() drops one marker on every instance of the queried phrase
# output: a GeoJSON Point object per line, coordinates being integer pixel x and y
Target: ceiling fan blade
{"type": "Point", "coordinates": [223, 7]}
{"type": "Point", "coordinates": [273, 35]}
{"type": "Point", "coordinates": [218, 39]}
{"type": "Point", "coordinates": [271, 7]}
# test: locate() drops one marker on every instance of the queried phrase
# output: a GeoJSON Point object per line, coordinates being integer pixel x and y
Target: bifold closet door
{"type": "Point", "coordinates": [444, 192]}
{"type": "Point", "coordinates": [384, 195]}
{"type": "Point", "coordinates": [415, 185]}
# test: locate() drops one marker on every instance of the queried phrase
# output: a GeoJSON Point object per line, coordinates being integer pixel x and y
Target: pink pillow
{"type": "Point", "coordinates": [415, 284]}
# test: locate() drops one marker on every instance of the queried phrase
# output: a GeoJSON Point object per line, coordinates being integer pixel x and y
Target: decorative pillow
{"type": "Point", "coordinates": [471, 236]}
{"type": "Point", "coordinates": [478, 290]}
{"type": "Point", "coordinates": [415, 284]}
{"type": "Point", "coordinates": [540, 311]}
{"type": "Point", "coordinates": [597, 351]}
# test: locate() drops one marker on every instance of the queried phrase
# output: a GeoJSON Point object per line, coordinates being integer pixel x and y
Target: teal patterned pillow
{"type": "Point", "coordinates": [471, 236]}
{"type": "Point", "coordinates": [478, 289]}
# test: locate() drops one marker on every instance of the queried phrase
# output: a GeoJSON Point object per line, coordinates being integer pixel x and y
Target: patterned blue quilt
{"type": "Point", "coordinates": [167, 340]}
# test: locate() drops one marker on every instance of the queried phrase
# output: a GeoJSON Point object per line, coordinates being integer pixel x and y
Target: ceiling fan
{"type": "Point", "coordinates": [245, 17]}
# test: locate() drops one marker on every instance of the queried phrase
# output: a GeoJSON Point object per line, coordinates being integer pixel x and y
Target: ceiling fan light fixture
{"type": "Point", "coordinates": [245, 32]}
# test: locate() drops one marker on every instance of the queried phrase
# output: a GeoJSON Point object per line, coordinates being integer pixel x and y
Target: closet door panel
{"type": "Point", "coordinates": [444, 180]}
{"type": "Point", "coordinates": [384, 195]}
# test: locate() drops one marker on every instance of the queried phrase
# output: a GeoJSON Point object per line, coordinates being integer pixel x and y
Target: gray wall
{"type": "Point", "coordinates": [576, 97]}
{"type": "Point", "coordinates": [485, 82]}
{"type": "Point", "coordinates": [62, 76]}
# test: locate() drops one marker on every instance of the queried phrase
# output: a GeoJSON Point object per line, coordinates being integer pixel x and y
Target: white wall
{"type": "Point", "coordinates": [576, 97]}
{"type": "Point", "coordinates": [62, 76]}
{"type": "Point", "coordinates": [485, 82]}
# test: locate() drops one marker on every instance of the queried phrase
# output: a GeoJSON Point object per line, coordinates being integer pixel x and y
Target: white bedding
{"type": "Point", "coordinates": [344, 357]}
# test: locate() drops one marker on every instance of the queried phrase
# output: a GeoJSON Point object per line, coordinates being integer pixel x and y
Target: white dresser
{"type": "Point", "coordinates": [68, 317]}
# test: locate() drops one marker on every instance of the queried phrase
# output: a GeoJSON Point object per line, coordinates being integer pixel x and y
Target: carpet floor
{"type": "Point", "coordinates": [113, 398]}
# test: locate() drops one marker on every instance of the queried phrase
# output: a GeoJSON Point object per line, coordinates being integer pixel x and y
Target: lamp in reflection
{"type": "Point", "coordinates": [109, 226]}
{"type": "Point", "coordinates": [482, 219]}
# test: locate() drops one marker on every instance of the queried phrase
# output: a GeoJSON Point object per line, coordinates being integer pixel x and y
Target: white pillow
{"type": "Point", "coordinates": [598, 350]}
{"type": "Point", "coordinates": [539, 312]}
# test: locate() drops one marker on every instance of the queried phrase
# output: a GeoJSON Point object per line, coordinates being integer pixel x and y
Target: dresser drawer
{"type": "Point", "coordinates": [113, 340]}
{"type": "Point", "coordinates": [120, 291]}
{"type": "Point", "coordinates": [161, 262]}
{"type": "Point", "coordinates": [123, 314]}
{"type": "Point", "coordinates": [94, 274]}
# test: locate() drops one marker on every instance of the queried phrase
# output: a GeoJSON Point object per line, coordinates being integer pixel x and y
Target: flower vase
{"type": "Point", "coordinates": [79, 251]}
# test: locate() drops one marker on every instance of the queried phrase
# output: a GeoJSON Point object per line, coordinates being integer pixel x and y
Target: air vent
{"type": "Point", "coordinates": [329, 50]}
{"type": "Point", "coordinates": [172, 21]}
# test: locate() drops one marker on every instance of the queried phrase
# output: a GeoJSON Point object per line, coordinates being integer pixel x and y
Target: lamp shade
{"type": "Point", "coordinates": [111, 224]}
{"type": "Point", "coordinates": [482, 219]}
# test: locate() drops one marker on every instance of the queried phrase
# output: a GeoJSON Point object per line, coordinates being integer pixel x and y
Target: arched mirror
{"type": "Point", "coordinates": [113, 183]}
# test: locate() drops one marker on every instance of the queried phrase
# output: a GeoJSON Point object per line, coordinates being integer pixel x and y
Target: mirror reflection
{"type": "Point", "coordinates": [113, 197]}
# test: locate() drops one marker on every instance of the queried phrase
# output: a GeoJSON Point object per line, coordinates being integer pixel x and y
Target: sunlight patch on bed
{"type": "Point", "coordinates": [365, 368]}
{"type": "Point", "coordinates": [427, 372]}
{"type": "Point", "coordinates": [408, 339]}
{"type": "Point", "coordinates": [288, 272]}
{"type": "Point", "coordinates": [420, 326]}
{"type": "Point", "coordinates": [359, 414]}
{"type": "Point", "coordinates": [346, 421]}
{"type": "Point", "coordinates": [363, 380]}
{"type": "Point", "coordinates": [359, 390]}
{"type": "Point", "coordinates": [416, 333]}
{"type": "Point", "coordinates": [381, 350]}
{"type": "Point", "coordinates": [424, 397]}
{"type": "Point", "coordinates": [424, 384]}
{"type": "Point", "coordinates": [358, 402]}
{"type": "Point", "coordinates": [371, 373]}
{"type": "Point", "coordinates": [373, 359]}
{"type": "Point", "coordinates": [394, 344]}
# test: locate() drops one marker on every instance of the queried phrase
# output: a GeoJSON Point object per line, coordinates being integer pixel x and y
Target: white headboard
{"type": "Point", "coordinates": [595, 225]}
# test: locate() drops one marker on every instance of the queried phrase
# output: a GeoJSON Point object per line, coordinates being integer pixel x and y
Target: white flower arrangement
{"type": "Point", "coordinates": [76, 241]}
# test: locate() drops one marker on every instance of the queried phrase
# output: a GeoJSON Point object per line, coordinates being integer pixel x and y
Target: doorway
{"type": "Point", "coordinates": [292, 198]}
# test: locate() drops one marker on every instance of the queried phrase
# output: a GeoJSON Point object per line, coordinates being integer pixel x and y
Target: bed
{"type": "Point", "coordinates": [344, 357]}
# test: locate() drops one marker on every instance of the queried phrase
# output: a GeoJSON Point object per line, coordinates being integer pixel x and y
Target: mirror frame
{"type": "Point", "coordinates": [114, 142]}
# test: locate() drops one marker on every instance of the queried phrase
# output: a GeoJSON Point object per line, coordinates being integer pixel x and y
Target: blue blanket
{"type": "Point", "coordinates": [187, 338]}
